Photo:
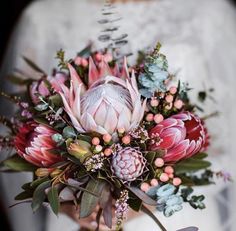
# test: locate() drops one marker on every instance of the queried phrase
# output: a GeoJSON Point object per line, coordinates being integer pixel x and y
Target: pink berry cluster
{"type": "Point", "coordinates": [165, 174]}
{"type": "Point", "coordinates": [102, 145]}
{"type": "Point", "coordinates": [163, 104]}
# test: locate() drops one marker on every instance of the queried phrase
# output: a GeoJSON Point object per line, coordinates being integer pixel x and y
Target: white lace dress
{"type": "Point", "coordinates": [199, 39]}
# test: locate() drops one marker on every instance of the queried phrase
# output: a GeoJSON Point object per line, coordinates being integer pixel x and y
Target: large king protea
{"type": "Point", "coordinates": [110, 101]}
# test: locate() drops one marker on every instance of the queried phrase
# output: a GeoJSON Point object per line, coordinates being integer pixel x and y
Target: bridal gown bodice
{"type": "Point", "coordinates": [199, 39]}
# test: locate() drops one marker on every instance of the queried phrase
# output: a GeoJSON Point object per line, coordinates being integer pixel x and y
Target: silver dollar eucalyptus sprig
{"type": "Point", "coordinates": [109, 35]}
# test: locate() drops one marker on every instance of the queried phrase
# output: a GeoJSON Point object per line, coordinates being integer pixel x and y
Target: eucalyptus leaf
{"type": "Point", "coordinates": [53, 199]}
{"type": "Point", "coordinates": [141, 195]}
{"type": "Point", "coordinates": [88, 200]}
{"type": "Point", "coordinates": [24, 195]}
{"type": "Point", "coordinates": [39, 195]}
{"type": "Point", "coordinates": [68, 132]}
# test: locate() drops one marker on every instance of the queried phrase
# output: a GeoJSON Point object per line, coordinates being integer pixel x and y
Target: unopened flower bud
{"type": "Point", "coordinates": [42, 172]}
{"type": "Point", "coordinates": [126, 139]}
{"type": "Point", "coordinates": [55, 172]}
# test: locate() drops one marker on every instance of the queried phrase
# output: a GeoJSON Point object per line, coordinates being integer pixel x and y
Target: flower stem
{"type": "Point", "coordinates": [150, 214]}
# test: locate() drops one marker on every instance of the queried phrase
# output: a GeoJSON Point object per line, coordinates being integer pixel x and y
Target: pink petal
{"type": "Point", "coordinates": [93, 72]}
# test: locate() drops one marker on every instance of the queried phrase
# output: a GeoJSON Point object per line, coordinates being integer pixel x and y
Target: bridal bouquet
{"type": "Point", "coordinates": [107, 136]}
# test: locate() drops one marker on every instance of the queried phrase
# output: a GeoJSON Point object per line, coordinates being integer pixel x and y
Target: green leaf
{"type": "Point", "coordinates": [88, 200]}
{"type": "Point", "coordinates": [17, 163]}
{"type": "Point", "coordinates": [191, 165]}
{"type": "Point", "coordinates": [38, 181]}
{"type": "Point", "coordinates": [24, 195]}
{"type": "Point", "coordinates": [33, 65]}
{"type": "Point", "coordinates": [39, 195]}
{"type": "Point", "coordinates": [53, 199]}
{"type": "Point", "coordinates": [135, 204]}
{"type": "Point", "coordinates": [141, 195]}
{"type": "Point", "coordinates": [200, 155]}
{"type": "Point", "coordinates": [68, 132]}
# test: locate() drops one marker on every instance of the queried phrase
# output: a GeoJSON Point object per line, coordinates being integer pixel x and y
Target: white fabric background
{"type": "Point", "coordinates": [198, 37]}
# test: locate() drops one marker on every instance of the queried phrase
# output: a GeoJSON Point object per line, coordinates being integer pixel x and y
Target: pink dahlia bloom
{"type": "Point", "coordinates": [34, 143]}
{"type": "Point", "coordinates": [181, 136]}
{"type": "Point", "coordinates": [40, 88]}
{"type": "Point", "coordinates": [111, 101]}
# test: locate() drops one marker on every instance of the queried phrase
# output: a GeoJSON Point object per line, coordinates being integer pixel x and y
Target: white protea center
{"type": "Point", "coordinates": [108, 104]}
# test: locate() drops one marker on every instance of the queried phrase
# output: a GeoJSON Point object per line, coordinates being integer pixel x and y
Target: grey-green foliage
{"type": "Point", "coordinates": [154, 74]}
{"type": "Point", "coordinates": [167, 199]}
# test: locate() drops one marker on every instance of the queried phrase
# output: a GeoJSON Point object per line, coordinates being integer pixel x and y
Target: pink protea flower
{"type": "Point", "coordinates": [111, 100]}
{"type": "Point", "coordinates": [181, 136]}
{"type": "Point", "coordinates": [34, 143]}
{"type": "Point", "coordinates": [40, 88]}
{"type": "Point", "coordinates": [128, 164]}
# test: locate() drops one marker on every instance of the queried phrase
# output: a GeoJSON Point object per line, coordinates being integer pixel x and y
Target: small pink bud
{"type": "Point", "coordinates": [78, 61]}
{"type": "Point", "coordinates": [95, 141]}
{"type": "Point", "coordinates": [98, 57]}
{"type": "Point", "coordinates": [169, 106]}
{"type": "Point", "coordinates": [177, 181]}
{"type": "Point", "coordinates": [145, 187]}
{"type": "Point", "coordinates": [164, 177]}
{"type": "Point", "coordinates": [169, 98]}
{"type": "Point", "coordinates": [154, 182]}
{"type": "Point", "coordinates": [121, 130]}
{"type": "Point", "coordinates": [171, 176]}
{"type": "Point", "coordinates": [126, 139]}
{"type": "Point", "coordinates": [159, 162]}
{"type": "Point", "coordinates": [107, 152]}
{"type": "Point", "coordinates": [158, 118]}
{"type": "Point", "coordinates": [154, 102]}
{"type": "Point", "coordinates": [149, 117]}
{"type": "Point", "coordinates": [84, 62]}
{"type": "Point", "coordinates": [169, 170]}
{"type": "Point", "coordinates": [178, 104]}
{"type": "Point", "coordinates": [107, 138]}
{"type": "Point", "coordinates": [173, 90]}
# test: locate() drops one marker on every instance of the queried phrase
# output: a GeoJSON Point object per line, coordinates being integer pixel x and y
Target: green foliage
{"type": "Point", "coordinates": [68, 132]}
{"type": "Point", "coordinates": [141, 195]}
{"type": "Point", "coordinates": [53, 199]}
{"type": "Point", "coordinates": [61, 58]}
{"type": "Point", "coordinates": [195, 201]}
{"type": "Point", "coordinates": [192, 164]}
{"type": "Point", "coordinates": [89, 201]}
{"type": "Point", "coordinates": [16, 163]}
{"type": "Point", "coordinates": [39, 195]}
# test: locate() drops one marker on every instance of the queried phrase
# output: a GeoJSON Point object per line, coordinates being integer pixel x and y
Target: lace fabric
{"type": "Point", "coordinates": [199, 39]}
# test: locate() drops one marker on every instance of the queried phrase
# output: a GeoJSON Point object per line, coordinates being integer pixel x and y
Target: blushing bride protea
{"type": "Point", "coordinates": [180, 136]}
{"type": "Point", "coordinates": [111, 101]}
{"type": "Point", "coordinates": [34, 143]}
